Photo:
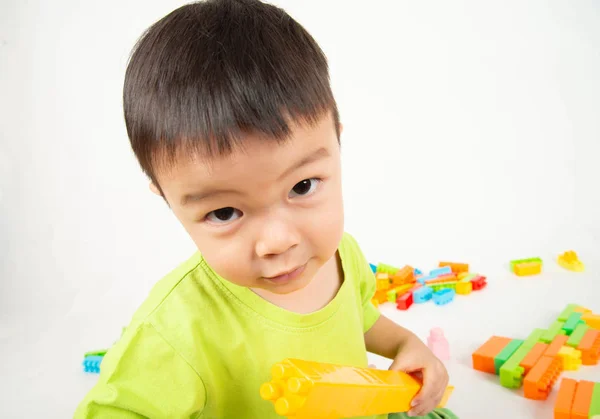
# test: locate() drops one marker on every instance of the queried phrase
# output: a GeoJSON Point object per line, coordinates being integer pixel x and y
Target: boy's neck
{"type": "Point", "coordinates": [317, 294]}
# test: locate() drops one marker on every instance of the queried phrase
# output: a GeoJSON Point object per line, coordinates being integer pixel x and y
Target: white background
{"type": "Point", "coordinates": [471, 134]}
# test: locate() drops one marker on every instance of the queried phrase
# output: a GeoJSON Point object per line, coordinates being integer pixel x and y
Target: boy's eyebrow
{"type": "Point", "coordinates": [317, 155]}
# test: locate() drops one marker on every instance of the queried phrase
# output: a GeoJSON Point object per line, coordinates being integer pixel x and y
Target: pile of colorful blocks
{"type": "Point", "coordinates": [92, 360]}
{"type": "Point", "coordinates": [407, 286]}
{"type": "Point", "coordinates": [537, 362]}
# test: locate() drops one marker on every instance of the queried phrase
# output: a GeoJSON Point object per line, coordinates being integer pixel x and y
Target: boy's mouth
{"type": "Point", "coordinates": [287, 276]}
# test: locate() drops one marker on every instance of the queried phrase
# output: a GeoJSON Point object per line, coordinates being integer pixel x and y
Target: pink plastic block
{"type": "Point", "coordinates": [438, 344]}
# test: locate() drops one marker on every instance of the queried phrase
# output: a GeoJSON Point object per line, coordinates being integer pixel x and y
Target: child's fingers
{"type": "Point", "coordinates": [424, 406]}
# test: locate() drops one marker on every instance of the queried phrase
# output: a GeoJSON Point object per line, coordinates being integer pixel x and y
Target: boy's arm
{"type": "Point", "coordinates": [385, 337]}
{"type": "Point", "coordinates": [143, 376]}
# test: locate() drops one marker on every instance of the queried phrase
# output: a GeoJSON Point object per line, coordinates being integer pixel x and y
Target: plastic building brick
{"type": "Point", "coordinates": [582, 400]}
{"type": "Point", "coordinates": [483, 358]}
{"type": "Point", "coordinates": [464, 288]}
{"type": "Point", "coordinates": [441, 279]}
{"type": "Point", "coordinates": [100, 352]}
{"type": "Point", "coordinates": [373, 267]}
{"type": "Point", "coordinates": [558, 342]}
{"type": "Point", "coordinates": [388, 269]}
{"type": "Point", "coordinates": [405, 275]}
{"type": "Point", "coordinates": [422, 295]}
{"type": "Point", "coordinates": [533, 338]}
{"type": "Point", "coordinates": [375, 302]}
{"type": "Point", "coordinates": [443, 286]}
{"type": "Point", "coordinates": [595, 403]}
{"type": "Point", "coordinates": [570, 261]}
{"type": "Point", "coordinates": [589, 346]}
{"type": "Point", "coordinates": [479, 283]}
{"type": "Point", "coordinates": [418, 272]}
{"type": "Point", "coordinates": [505, 354]}
{"type": "Point", "coordinates": [539, 381]}
{"type": "Point", "coordinates": [572, 322]}
{"type": "Point", "coordinates": [440, 271]}
{"type": "Point", "coordinates": [577, 335]}
{"type": "Point", "coordinates": [443, 296]}
{"type": "Point", "coordinates": [456, 267]}
{"type": "Point", "coordinates": [555, 329]}
{"type": "Point", "coordinates": [382, 281]}
{"type": "Point", "coordinates": [592, 320]}
{"type": "Point", "coordinates": [305, 389]}
{"type": "Point", "coordinates": [523, 267]}
{"type": "Point", "coordinates": [438, 344]}
{"type": "Point", "coordinates": [583, 310]}
{"type": "Point", "coordinates": [564, 399]}
{"type": "Point", "coordinates": [533, 356]}
{"type": "Point", "coordinates": [564, 315]}
{"type": "Point", "coordinates": [92, 363]}
{"type": "Point", "coordinates": [571, 358]}
{"type": "Point", "coordinates": [405, 301]}
{"type": "Point", "coordinates": [511, 372]}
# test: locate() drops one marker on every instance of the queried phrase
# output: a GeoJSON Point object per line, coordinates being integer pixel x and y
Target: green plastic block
{"type": "Point", "coordinates": [468, 278]}
{"type": "Point", "coordinates": [392, 295]}
{"type": "Point", "coordinates": [577, 335]}
{"type": "Point", "coordinates": [442, 286]}
{"type": "Point", "coordinates": [572, 322]}
{"type": "Point", "coordinates": [552, 331]}
{"type": "Point", "coordinates": [511, 374]}
{"type": "Point", "coordinates": [533, 338]}
{"type": "Point", "coordinates": [389, 269]}
{"type": "Point", "coordinates": [595, 405]}
{"type": "Point", "coordinates": [567, 312]}
{"type": "Point", "coordinates": [506, 353]}
{"type": "Point", "coordinates": [528, 260]}
{"type": "Point", "coordinates": [100, 352]}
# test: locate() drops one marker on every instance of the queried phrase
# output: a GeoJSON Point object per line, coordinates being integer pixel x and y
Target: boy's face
{"type": "Point", "coordinates": [269, 215]}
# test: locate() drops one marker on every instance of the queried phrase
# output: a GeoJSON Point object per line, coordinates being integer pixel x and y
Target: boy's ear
{"type": "Point", "coordinates": [155, 189]}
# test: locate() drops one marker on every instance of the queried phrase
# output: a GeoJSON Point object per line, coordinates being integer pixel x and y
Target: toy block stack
{"type": "Point", "coordinates": [407, 286]}
{"type": "Point", "coordinates": [92, 360]}
{"type": "Point", "coordinates": [536, 362]}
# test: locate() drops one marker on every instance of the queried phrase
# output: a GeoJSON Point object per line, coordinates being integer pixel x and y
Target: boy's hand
{"type": "Point", "coordinates": [415, 358]}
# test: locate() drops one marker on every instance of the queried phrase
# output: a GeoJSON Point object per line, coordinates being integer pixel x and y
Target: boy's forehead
{"type": "Point", "coordinates": [253, 152]}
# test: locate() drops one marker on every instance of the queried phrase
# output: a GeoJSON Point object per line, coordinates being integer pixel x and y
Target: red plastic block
{"type": "Point", "coordinates": [540, 380]}
{"type": "Point", "coordinates": [478, 282]}
{"type": "Point", "coordinates": [404, 301]}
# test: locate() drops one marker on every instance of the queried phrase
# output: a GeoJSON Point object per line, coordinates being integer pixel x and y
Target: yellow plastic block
{"type": "Point", "coordinates": [527, 268]}
{"type": "Point", "coordinates": [592, 320]}
{"type": "Point", "coordinates": [570, 261]}
{"type": "Point", "coordinates": [312, 390]}
{"type": "Point", "coordinates": [570, 357]}
{"type": "Point", "coordinates": [464, 288]}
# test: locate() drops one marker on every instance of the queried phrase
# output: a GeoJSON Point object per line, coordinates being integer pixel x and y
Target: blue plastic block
{"type": "Point", "coordinates": [443, 296]}
{"type": "Point", "coordinates": [425, 278]}
{"type": "Point", "coordinates": [373, 267]}
{"type": "Point", "coordinates": [418, 272]}
{"type": "Point", "coordinates": [92, 363]}
{"type": "Point", "coordinates": [422, 295]}
{"type": "Point", "coordinates": [440, 271]}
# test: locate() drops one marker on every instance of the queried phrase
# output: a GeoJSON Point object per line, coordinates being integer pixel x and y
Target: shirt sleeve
{"type": "Point", "coordinates": [366, 284]}
{"type": "Point", "coordinates": [143, 376]}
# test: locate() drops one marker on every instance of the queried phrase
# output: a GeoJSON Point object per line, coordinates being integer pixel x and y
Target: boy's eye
{"type": "Point", "coordinates": [304, 187]}
{"type": "Point", "coordinates": [223, 215]}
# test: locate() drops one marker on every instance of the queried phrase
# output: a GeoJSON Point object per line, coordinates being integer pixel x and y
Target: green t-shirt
{"type": "Point", "coordinates": [200, 346]}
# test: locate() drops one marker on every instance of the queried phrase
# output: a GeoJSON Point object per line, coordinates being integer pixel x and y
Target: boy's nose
{"type": "Point", "coordinates": [276, 237]}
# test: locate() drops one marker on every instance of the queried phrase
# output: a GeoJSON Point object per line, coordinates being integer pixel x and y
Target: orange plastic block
{"type": "Point", "coordinates": [441, 279]}
{"type": "Point", "coordinates": [533, 357]}
{"type": "Point", "coordinates": [405, 275]}
{"type": "Point", "coordinates": [305, 390]}
{"type": "Point", "coordinates": [592, 320]}
{"type": "Point", "coordinates": [590, 347]}
{"type": "Point", "coordinates": [558, 342]}
{"type": "Point", "coordinates": [540, 380]}
{"type": "Point", "coordinates": [564, 400]}
{"type": "Point", "coordinates": [582, 310]}
{"type": "Point", "coordinates": [483, 358]}
{"type": "Point", "coordinates": [456, 267]}
{"type": "Point", "coordinates": [582, 400]}
{"type": "Point", "coordinates": [380, 296]}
